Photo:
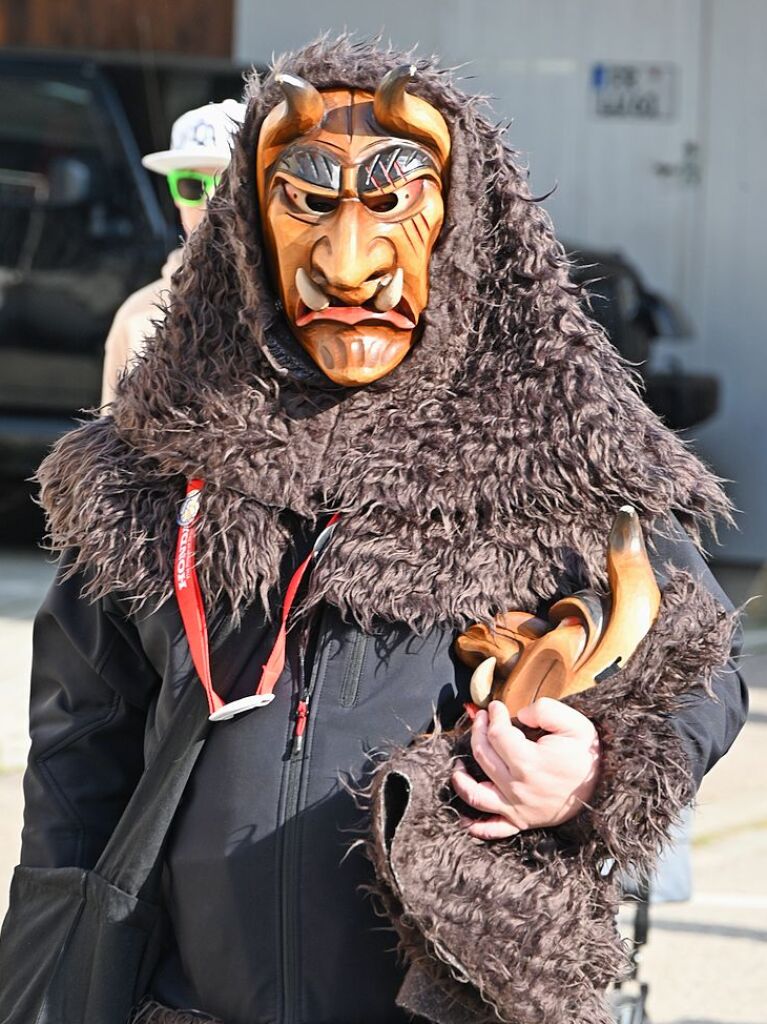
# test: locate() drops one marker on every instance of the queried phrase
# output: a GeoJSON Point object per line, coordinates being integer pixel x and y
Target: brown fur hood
{"type": "Point", "coordinates": [482, 474]}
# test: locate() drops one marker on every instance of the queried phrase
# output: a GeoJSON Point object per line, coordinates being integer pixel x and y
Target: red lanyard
{"type": "Point", "coordinates": [192, 610]}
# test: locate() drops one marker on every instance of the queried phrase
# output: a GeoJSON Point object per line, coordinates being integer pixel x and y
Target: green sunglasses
{"type": "Point", "coordinates": [192, 188]}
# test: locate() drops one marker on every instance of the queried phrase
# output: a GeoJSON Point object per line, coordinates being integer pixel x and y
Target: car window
{"type": "Point", "coordinates": [59, 151]}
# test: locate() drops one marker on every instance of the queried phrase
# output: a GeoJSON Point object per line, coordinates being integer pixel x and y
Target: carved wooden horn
{"type": "Point", "coordinates": [304, 110]}
{"type": "Point", "coordinates": [409, 116]}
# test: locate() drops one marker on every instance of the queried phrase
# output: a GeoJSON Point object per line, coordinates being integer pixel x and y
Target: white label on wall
{"type": "Point", "coordinates": [643, 90]}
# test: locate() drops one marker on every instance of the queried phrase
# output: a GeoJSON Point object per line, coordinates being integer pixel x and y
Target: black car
{"type": "Point", "coordinates": [82, 224]}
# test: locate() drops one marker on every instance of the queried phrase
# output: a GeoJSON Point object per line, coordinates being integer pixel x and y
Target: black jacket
{"type": "Point", "coordinates": [269, 916]}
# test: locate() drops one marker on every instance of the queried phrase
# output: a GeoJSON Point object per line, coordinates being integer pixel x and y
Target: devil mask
{"type": "Point", "coordinates": [350, 188]}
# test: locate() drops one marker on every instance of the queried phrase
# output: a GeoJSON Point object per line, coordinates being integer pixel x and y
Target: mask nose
{"type": "Point", "coordinates": [349, 260]}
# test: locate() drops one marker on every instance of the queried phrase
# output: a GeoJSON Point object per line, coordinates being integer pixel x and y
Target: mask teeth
{"type": "Point", "coordinates": [482, 682]}
{"type": "Point", "coordinates": [311, 295]}
{"type": "Point", "coordinates": [391, 294]}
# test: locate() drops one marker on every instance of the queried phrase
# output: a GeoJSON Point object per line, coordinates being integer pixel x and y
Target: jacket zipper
{"type": "Point", "coordinates": [350, 684]}
{"type": "Point", "coordinates": [297, 768]}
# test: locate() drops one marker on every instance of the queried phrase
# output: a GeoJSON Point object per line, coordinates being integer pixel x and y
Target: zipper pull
{"type": "Point", "coordinates": [302, 714]}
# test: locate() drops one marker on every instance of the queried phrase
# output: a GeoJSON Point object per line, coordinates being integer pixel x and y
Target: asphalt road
{"type": "Point", "coordinates": [706, 962]}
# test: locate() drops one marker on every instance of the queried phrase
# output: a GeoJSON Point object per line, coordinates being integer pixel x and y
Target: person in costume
{"type": "Point", "coordinates": [373, 331]}
{"type": "Point", "coordinates": [199, 151]}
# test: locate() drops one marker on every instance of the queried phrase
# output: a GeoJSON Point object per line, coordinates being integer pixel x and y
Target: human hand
{"type": "Point", "coordinates": [531, 783]}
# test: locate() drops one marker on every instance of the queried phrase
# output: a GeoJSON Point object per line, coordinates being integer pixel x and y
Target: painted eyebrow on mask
{"type": "Point", "coordinates": [314, 166]}
{"type": "Point", "coordinates": [392, 166]}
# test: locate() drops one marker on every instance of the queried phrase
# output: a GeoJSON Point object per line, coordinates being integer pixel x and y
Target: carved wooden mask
{"type": "Point", "coordinates": [350, 189]}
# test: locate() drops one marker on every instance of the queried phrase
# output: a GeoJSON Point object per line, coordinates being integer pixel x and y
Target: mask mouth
{"type": "Point", "coordinates": [400, 317]}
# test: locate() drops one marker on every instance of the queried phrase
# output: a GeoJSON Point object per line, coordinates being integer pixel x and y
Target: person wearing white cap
{"type": "Point", "coordinates": [199, 151]}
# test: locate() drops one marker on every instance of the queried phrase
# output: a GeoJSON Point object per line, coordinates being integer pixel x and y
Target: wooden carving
{"type": "Point", "coordinates": [587, 636]}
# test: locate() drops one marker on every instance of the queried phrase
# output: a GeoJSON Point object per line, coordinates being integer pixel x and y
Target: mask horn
{"type": "Point", "coordinates": [409, 116]}
{"type": "Point", "coordinates": [305, 110]}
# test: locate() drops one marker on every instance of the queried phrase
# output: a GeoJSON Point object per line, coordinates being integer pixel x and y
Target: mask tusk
{"type": "Point", "coordinates": [482, 682]}
{"type": "Point", "coordinates": [311, 295]}
{"type": "Point", "coordinates": [389, 296]}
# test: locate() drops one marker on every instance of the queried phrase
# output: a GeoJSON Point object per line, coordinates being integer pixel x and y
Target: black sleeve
{"type": "Point", "coordinates": [91, 686]}
{"type": "Point", "coordinates": [707, 725]}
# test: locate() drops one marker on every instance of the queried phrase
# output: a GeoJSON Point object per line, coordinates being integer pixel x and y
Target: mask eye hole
{"type": "Point", "coordinates": [382, 204]}
{"type": "Point", "coordinates": [308, 202]}
{"type": "Point", "coordinates": [398, 201]}
{"type": "Point", "coordinates": [320, 204]}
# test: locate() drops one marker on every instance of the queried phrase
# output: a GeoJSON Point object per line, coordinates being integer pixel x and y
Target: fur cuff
{"type": "Point", "coordinates": [524, 929]}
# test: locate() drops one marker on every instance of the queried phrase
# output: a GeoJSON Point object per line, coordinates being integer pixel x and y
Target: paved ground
{"type": "Point", "coordinates": [24, 578]}
{"type": "Point", "coordinates": [706, 962]}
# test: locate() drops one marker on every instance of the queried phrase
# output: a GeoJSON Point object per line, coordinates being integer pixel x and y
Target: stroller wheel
{"type": "Point", "coordinates": [630, 1007]}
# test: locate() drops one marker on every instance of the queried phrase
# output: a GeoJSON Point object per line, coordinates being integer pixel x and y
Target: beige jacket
{"type": "Point", "coordinates": [132, 325]}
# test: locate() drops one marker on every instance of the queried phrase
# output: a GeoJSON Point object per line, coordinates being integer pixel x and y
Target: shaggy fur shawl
{"type": "Point", "coordinates": [482, 474]}
{"type": "Point", "coordinates": [524, 930]}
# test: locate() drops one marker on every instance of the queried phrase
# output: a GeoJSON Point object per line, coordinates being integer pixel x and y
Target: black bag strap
{"type": "Point", "coordinates": [131, 860]}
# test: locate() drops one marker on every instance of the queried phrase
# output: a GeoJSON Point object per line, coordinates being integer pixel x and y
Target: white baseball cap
{"type": "Point", "coordinates": [200, 138]}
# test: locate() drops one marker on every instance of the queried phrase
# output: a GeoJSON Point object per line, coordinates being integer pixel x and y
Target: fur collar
{"type": "Point", "coordinates": [482, 474]}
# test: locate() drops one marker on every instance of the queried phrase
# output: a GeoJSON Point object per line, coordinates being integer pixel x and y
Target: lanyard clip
{"type": "Point", "coordinates": [237, 707]}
